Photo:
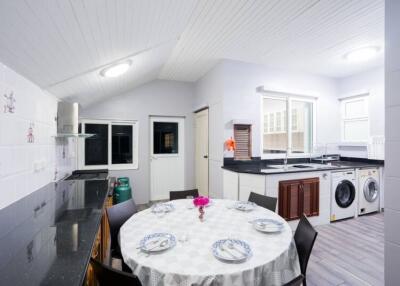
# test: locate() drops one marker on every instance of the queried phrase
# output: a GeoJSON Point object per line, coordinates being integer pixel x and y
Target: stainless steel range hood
{"type": "Point", "coordinates": [67, 120]}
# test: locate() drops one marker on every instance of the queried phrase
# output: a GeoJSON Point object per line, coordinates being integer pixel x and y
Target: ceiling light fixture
{"type": "Point", "coordinates": [116, 70]}
{"type": "Point", "coordinates": [362, 54]}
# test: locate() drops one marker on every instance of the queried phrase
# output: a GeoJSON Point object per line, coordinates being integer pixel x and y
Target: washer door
{"type": "Point", "coordinates": [345, 193]}
{"type": "Point", "coordinates": [371, 190]}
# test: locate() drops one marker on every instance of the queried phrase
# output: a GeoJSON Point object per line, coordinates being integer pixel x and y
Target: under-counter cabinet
{"type": "Point", "coordinates": [100, 249]}
{"type": "Point", "coordinates": [297, 197]}
{"type": "Point", "coordinates": [250, 183]}
{"type": "Point", "coordinates": [238, 186]}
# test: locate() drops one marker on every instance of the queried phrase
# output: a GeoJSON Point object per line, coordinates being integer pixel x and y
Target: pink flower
{"type": "Point", "coordinates": [201, 201]}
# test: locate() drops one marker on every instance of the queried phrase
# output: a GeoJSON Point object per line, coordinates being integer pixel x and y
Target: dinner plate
{"type": "Point", "coordinates": [245, 206]}
{"type": "Point", "coordinates": [231, 250]}
{"type": "Point", "coordinates": [157, 242]}
{"type": "Point", "coordinates": [268, 225]}
{"type": "Point", "coordinates": [162, 208]}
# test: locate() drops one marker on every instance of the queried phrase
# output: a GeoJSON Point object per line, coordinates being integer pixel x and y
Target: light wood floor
{"type": "Point", "coordinates": [348, 252]}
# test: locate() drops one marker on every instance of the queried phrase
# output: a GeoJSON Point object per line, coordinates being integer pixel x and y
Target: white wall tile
{"type": "Point", "coordinates": [24, 166]}
{"type": "Point", "coordinates": [392, 217]}
{"type": "Point", "coordinates": [392, 35]}
{"type": "Point", "coordinates": [392, 193]}
{"type": "Point", "coordinates": [392, 149]}
{"type": "Point", "coordinates": [392, 129]}
{"type": "Point", "coordinates": [392, 88]}
{"type": "Point", "coordinates": [392, 257]}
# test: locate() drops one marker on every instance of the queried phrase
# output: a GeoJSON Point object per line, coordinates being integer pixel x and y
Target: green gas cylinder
{"type": "Point", "coordinates": [122, 191]}
{"type": "Point", "coordinates": [123, 181]}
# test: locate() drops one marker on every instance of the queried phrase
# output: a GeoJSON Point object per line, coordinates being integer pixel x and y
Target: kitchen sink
{"type": "Point", "coordinates": [293, 167]}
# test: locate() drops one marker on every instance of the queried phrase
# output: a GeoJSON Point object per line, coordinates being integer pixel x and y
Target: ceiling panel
{"type": "Point", "coordinates": [63, 44]}
{"type": "Point", "coordinates": [307, 35]}
{"type": "Point", "coordinates": [59, 44]}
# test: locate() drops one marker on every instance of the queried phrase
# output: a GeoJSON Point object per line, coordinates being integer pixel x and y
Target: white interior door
{"type": "Point", "coordinates": [201, 156]}
{"type": "Point", "coordinates": [167, 171]}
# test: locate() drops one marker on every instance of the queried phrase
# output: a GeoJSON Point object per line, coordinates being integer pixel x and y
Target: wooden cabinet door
{"type": "Point", "coordinates": [297, 197]}
{"type": "Point", "coordinates": [289, 199]}
{"type": "Point", "coordinates": [310, 189]}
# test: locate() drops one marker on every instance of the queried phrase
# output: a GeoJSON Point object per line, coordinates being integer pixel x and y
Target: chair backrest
{"type": "Point", "coordinates": [106, 275]}
{"type": "Point", "coordinates": [176, 195]}
{"type": "Point", "coordinates": [117, 215]}
{"type": "Point", "coordinates": [263, 201]}
{"type": "Point", "coordinates": [296, 281]}
{"type": "Point", "coordinates": [304, 238]}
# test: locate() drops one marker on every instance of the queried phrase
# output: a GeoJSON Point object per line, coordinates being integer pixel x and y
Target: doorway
{"type": "Point", "coordinates": [201, 152]}
{"type": "Point", "coordinates": [167, 171]}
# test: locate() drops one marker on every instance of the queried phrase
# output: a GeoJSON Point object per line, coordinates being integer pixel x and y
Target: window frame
{"type": "Point", "coordinates": [110, 122]}
{"type": "Point", "coordinates": [289, 98]}
{"type": "Point", "coordinates": [343, 119]}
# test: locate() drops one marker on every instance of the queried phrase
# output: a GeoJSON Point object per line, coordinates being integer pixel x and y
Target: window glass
{"type": "Point", "coordinates": [356, 130]}
{"type": "Point", "coordinates": [96, 147]}
{"type": "Point", "coordinates": [355, 119]}
{"type": "Point", "coordinates": [278, 122]}
{"type": "Point", "coordinates": [165, 138]}
{"type": "Point", "coordinates": [302, 126]}
{"type": "Point", "coordinates": [275, 140]}
{"type": "Point", "coordinates": [121, 144]}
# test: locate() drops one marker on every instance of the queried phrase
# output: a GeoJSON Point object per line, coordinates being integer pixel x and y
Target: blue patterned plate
{"type": "Point", "coordinates": [245, 206]}
{"type": "Point", "coordinates": [268, 225]}
{"type": "Point", "coordinates": [231, 250]}
{"type": "Point", "coordinates": [162, 208]}
{"type": "Point", "coordinates": [157, 242]}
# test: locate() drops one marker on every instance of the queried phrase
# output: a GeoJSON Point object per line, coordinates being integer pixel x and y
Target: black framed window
{"type": "Point", "coordinates": [165, 138]}
{"type": "Point", "coordinates": [96, 147]}
{"type": "Point", "coordinates": [121, 144]}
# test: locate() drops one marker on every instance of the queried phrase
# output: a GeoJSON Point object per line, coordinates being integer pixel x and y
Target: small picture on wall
{"type": "Point", "coordinates": [9, 106]}
{"type": "Point", "coordinates": [30, 137]}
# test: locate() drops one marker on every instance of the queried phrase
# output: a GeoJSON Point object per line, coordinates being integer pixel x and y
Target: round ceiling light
{"type": "Point", "coordinates": [362, 54]}
{"type": "Point", "coordinates": [116, 70]}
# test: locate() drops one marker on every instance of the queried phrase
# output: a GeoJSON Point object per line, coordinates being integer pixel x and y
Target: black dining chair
{"type": "Point", "coordinates": [176, 195]}
{"type": "Point", "coordinates": [263, 201]}
{"type": "Point", "coordinates": [304, 238]}
{"type": "Point", "coordinates": [108, 276]}
{"type": "Point", "coordinates": [296, 281]}
{"type": "Point", "coordinates": [117, 215]}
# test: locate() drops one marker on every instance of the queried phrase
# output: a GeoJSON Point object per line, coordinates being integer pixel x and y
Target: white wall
{"type": "Point", "coordinates": [155, 98]}
{"type": "Point", "coordinates": [241, 101]}
{"type": "Point", "coordinates": [209, 92]}
{"type": "Point", "coordinates": [392, 133]}
{"type": "Point", "coordinates": [26, 167]}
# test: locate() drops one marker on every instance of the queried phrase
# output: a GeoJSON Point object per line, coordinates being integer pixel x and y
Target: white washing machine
{"type": "Point", "coordinates": [343, 195]}
{"type": "Point", "coordinates": [368, 191]}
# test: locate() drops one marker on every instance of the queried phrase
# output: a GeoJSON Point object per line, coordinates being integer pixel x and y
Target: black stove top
{"type": "Point", "coordinates": [89, 175]}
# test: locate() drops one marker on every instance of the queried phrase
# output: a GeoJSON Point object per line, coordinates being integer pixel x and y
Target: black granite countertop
{"type": "Point", "coordinates": [269, 167]}
{"type": "Point", "coordinates": [47, 237]}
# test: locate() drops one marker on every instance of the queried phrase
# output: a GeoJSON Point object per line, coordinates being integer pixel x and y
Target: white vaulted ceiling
{"type": "Point", "coordinates": [62, 45]}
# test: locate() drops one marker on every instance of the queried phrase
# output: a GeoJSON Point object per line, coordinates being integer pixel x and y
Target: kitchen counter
{"type": "Point", "coordinates": [270, 167]}
{"type": "Point", "coordinates": [47, 237]}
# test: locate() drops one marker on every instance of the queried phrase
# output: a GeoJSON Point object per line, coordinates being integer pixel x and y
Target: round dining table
{"type": "Point", "coordinates": [274, 259]}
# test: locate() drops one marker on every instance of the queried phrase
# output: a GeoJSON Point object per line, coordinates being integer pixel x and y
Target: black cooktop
{"type": "Point", "coordinates": [100, 174]}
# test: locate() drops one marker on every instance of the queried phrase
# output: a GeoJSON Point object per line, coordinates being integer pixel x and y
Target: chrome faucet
{"type": "Point", "coordinates": [286, 159]}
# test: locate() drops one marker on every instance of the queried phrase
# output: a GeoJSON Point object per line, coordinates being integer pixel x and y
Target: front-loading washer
{"type": "Point", "coordinates": [368, 191]}
{"type": "Point", "coordinates": [343, 195]}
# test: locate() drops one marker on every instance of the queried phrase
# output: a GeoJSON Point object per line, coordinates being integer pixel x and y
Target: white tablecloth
{"type": "Point", "coordinates": [274, 260]}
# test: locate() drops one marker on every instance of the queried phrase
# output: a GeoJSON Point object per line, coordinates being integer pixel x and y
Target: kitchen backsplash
{"type": "Point", "coordinates": [30, 155]}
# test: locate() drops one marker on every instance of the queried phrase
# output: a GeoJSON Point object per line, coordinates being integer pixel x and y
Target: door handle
{"type": "Point", "coordinates": [205, 156]}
